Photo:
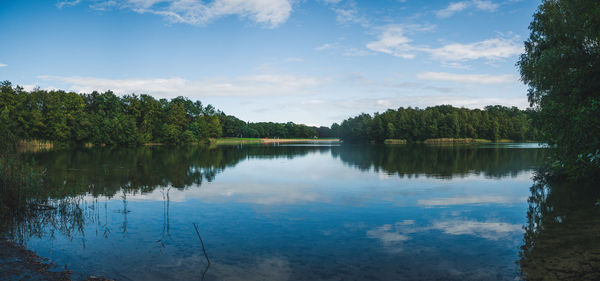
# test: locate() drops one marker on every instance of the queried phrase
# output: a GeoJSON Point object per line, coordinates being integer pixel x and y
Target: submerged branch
{"type": "Point", "coordinates": [203, 250]}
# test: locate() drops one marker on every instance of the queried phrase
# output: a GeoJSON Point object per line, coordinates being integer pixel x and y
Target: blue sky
{"type": "Point", "coordinates": [313, 61]}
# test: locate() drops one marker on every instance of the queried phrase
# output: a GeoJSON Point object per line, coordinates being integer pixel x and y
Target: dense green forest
{"type": "Point", "coordinates": [105, 118]}
{"type": "Point", "coordinates": [444, 121]}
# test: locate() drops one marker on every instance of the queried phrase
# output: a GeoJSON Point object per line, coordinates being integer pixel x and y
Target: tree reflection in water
{"type": "Point", "coordinates": [76, 179]}
{"type": "Point", "coordinates": [562, 234]}
{"type": "Point", "coordinates": [441, 161]}
{"type": "Point", "coordinates": [561, 231]}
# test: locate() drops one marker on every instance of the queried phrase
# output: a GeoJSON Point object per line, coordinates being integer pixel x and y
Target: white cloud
{"type": "Point", "coordinates": [491, 49]}
{"type": "Point", "coordinates": [260, 194]}
{"type": "Point", "coordinates": [62, 4]}
{"type": "Point", "coordinates": [483, 5]}
{"type": "Point", "coordinates": [484, 199]}
{"type": "Point", "coordinates": [452, 8]}
{"type": "Point", "coordinates": [327, 46]}
{"type": "Point", "coordinates": [487, 230]}
{"type": "Point", "coordinates": [346, 12]}
{"type": "Point", "coordinates": [342, 50]}
{"type": "Point", "coordinates": [386, 235]}
{"type": "Point", "coordinates": [269, 12]}
{"type": "Point", "coordinates": [393, 40]}
{"type": "Point", "coordinates": [467, 78]}
{"type": "Point", "coordinates": [349, 14]}
{"type": "Point", "coordinates": [354, 52]}
{"type": "Point", "coordinates": [3, 65]}
{"type": "Point", "coordinates": [392, 236]}
{"type": "Point", "coordinates": [252, 85]}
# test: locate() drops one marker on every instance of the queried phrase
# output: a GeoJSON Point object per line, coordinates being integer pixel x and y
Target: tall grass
{"type": "Point", "coordinates": [20, 185]}
{"type": "Point", "coordinates": [26, 205]}
{"type": "Point", "coordinates": [395, 141]}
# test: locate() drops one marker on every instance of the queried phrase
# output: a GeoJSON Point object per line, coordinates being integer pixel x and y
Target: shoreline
{"type": "Point", "coordinates": [268, 140]}
{"type": "Point", "coordinates": [19, 263]}
{"type": "Point", "coordinates": [36, 145]}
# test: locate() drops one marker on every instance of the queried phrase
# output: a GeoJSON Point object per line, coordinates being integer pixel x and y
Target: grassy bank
{"type": "Point", "coordinates": [504, 140]}
{"type": "Point", "coordinates": [34, 145]}
{"type": "Point", "coordinates": [266, 140]}
{"type": "Point", "coordinates": [450, 141]}
{"type": "Point", "coordinates": [234, 140]}
{"type": "Point", "coordinates": [394, 141]}
{"type": "Point", "coordinates": [456, 140]}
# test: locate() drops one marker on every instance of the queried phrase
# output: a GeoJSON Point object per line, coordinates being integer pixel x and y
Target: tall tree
{"type": "Point", "coordinates": [561, 66]}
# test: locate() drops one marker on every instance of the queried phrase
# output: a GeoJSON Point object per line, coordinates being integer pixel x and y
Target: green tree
{"type": "Point", "coordinates": [7, 138]}
{"type": "Point", "coordinates": [561, 66]}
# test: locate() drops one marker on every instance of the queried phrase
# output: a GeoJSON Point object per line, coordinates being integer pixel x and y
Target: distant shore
{"type": "Point", "coordinates": [267, 140]}
{"type": "Point", "coordinates": [455, 141]}
{"type": "Point", "coordinates": [33, 145]}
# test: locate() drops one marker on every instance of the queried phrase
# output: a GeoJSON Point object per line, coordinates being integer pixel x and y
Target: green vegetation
{"type": "Point", "coordinates": [266, 140]}
{"type": "Point", "coordinates": [19, 184]}
{"type": "Point", "coordinates": [456, 140]}
{"type": "Point", "coordinates": [104, 118]}
{"type": "Point", "coordinates": [442, 123]}
{"type": "Point", "coordinates": [561, 66]}
{"type": "Point", "coordinates": [59, 117]}
{"type": "Point", "coordinates": [394, 141]}
{"type": "Point", "coordinates": [235, 140]}
{"type": "Point", "coordinates": [234, 127]}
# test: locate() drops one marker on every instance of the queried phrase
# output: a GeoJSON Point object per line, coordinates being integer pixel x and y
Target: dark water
{"type": "Point", "coordinates": [292, 212]}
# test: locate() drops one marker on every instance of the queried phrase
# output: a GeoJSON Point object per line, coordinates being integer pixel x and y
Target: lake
{"type": "Point", "coordinates": [288, 212]}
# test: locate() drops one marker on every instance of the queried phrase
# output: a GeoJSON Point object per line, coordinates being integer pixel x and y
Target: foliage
{"type": "Point", "coordinates": [105, 118]}
{"type": "Point", "coordinates": [444, 121]}
{"type": "Point", "coordinates": [561, 66]}
{"type": "Point", "coordinates": [234, 127]}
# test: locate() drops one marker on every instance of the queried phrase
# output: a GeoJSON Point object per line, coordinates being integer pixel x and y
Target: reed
{"type": "Point", "coordinates": [33, 145]}
{"type": "Point", "coordinates": [36, 143]}
{"type": "Point", "coordinates": [21, 185]}
{"type": "Point", "coordinates": [394, 141]}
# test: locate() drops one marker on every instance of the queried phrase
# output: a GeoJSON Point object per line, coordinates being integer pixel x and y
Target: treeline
{"type": "Point", "coordinates": [444, 121]}
{"type": "Point", "coordinates": [105, 118]}
{"type": "Point", "coordinates": [234, 127]}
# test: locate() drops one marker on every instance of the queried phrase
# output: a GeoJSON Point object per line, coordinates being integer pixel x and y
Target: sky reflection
{"type": "Point", "coordinates": [306, 217]}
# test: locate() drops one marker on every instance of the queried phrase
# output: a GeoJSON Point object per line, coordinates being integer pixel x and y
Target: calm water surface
{"type": "Point", "coordinates": [289, 212]}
